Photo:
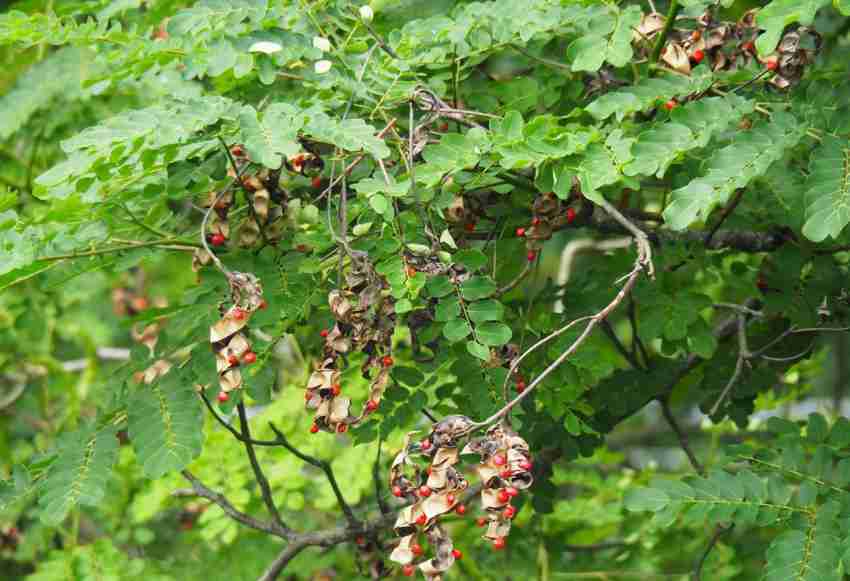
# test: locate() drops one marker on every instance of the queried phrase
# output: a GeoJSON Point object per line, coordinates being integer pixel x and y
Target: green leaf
{"type": "Point", "coordinates": [478, 350]}
{"type": "Point", "coordinates": [79, 474]}
{"type": "Point", "coordinates": [486, 310]}
{"type": "Point", "coordinates": [842, 6]}
{"type": "Point", "coordinates": [608, 39]}
{"type": "Point", "coordinates": [276, 137]}
{"type": "Point", "coordinates": [811, 554]}
{"type": "Point", "coordinates": [447, 309]}
{"type": "Point", "coordinates": [473, 259]}
{"type": "Point", "coordinates": [493, 334]}
{"type": "Point", "coordinates": [748, 157]}
{"type": "Point", "coordinates": [649, 499]}
{"type": "Point", "coordinates": [774, 17]}
{"type": "Point", "coordinates": [828, 193]}
{"type": "Point", "coordinates": [817, 428]}
{"type": "Point", "coordinates": [839, 436]}
{"type": "Point", "coordinates": [439, 286]}
{"type": "Point", "coordinates": [165, 423]}
{"type": "Point", "coordinates": [645, 94]}
{"type": "Point", "coordinates": [477, 287]}
{"type": "Point", "coordinates": [456, 329]}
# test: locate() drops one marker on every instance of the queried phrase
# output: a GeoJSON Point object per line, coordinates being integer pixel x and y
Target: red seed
{"type": "Point", "coordinates": [571, 215]}
{"type": "Point", "coordinates": [232, 360]}
{"type": "Point", "coordinates": [481, 521]}
{"type": "Point", "coordinates": [670, 105]}
{"type": "Point", "coordinates": [387, 361]}
{"type": "Point", "coordinates": [416, 549]}
{"type": "Point", "coordinates": [749, 46]}
{"type": "Point", "coordinates": [324, 333]}
{"type": "Point", "coordinates": [308, 396]}
{"type": "Point", "coordinates": [371, 405]}
{"type": "Point", "coordinates": [526, 465]}
{"type": "Point", "coordinates": [217, 239]}
{"type": "Point", "coordinates": [314, 429]}
{"type": "Point", "coordinates": [317, 182]}
{"type": "Point", "coordinates": [506, 473]}
{"type": "Point", "coordinates": [772, 64]}
{"type": "Point", "coordinates": [531, 255]}
{"type": "Point", "coordinates": [238, 314]}
{"type": "Point", "coordinates": [499, 543]}
{"type": "Point", "coordinates": [499, 460]}
{"type": "Point", "coordinates": [509, 512]}
{"type": "Point", "coordinates": [421, 519]}
{"type": "Point", "coordinates": [469, 226]}
{"type": "Point", "coordinates": [223, 396]}
{"type": "Point", "coordinates": [503, 496]}
{"type": "Point", "coordinates": [408, 570]}
{"type": "Point", "coordinates": [249, 357]}
{"type": "Point", "coordinates": [460, 509]}
{"type": "Point", "coordinates": [698, 56]}
{"type": "Point", "coordinates": [397, 492]}
{"type": "Point", "coordinates": [263, 304]}
{"type": "Point", "coordinates": [425, 444]}
{"type": "Point", "coordinates": [512, 492]}
{"type": "Point", "coordinates": [450, 499]}
{"type": "Point", "coordinates": [342, 428]}
{"type": "Point", "coordinates": [360, 541]}
{"type": "Point", "coordinates": [444, 127]}
{"type": "Point", "coordinates": [428, 471]}
{"type": "Point", "coordinates": [424, 491]}
{"type": "Point", "coordinates": [520, 232]}
{"type": "Point", "coordinates": [520, 386]}
{"type": "Point", "coordinates": [237, 151]}
{"type": "Point", "coordinates": [535, 221]}
{"type": "Point", "coordinates": [336, 389]}
{"type": "Point", "coordinates": [457, 554]}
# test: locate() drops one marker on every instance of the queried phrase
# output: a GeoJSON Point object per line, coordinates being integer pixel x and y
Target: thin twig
{"type": "Point", "coordinates": [541, 60]}
{"type": "Point", "coordinates": [325, 467]}
{"type": "Point", "coordinates": [727, 211]}
{"type": "Point", "coordinates": [376, 478]}
{"type": "Point", "coordinates": [608, 329]}
{"type": "Point", "coordinates": [719, 532]}
{"type": "Point", "coordinates": [743, 355]}
{"type": "Point", "coordinates": [199, 489]}
{"type": "Point", "coordinates": [234, 432]}
{"type": "Point", "coordinates": [675, 7]}
{"type": "Point", "coordinates": [680, 434]}
{"type": "Point", "coordinates": [373, 33]}
{"type": "Point", "coordinates": [636, 340]}
{"type": "Point", "coordinates": [265, 489]}
{"type": "Point", "coordinates": [282, 560]}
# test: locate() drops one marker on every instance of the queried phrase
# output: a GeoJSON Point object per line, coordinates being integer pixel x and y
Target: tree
{"type": "Point", "coordinates": [319, 288]}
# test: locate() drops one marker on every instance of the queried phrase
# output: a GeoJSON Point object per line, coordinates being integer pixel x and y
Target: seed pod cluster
{"type": "Point", "coordinates": [229, 335]}
{"type": "Point", "coordinates": [364, 314]}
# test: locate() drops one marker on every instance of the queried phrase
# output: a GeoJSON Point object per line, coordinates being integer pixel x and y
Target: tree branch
{"type": "Point", "coordinates": [325, 467]}
{"type": "Point", "coordinates": [680, 434]}
{"type": "Point", "coordinates": [265, 489]}
{"type": "Point", "coordinates": [198, 489]}
{"type": "Point", "coordinates": [719, 531]}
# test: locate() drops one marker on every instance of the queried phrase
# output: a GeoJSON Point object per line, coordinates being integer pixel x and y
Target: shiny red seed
{"type": "Point", "coordinates": [217, 239]}
{"type": "Point", "coordinates": [232, 360]}
{"type": "Point", "coordinates": [772, 64]}
{"type": "Point", "coordinates": [512, 492]}
{"type": "Point", "coordinates": [249, 357]}
{"type": "Point", "coordinates": [314, 429]}
{"type": "Point", "coordinates": [520, 386]}
{"type": "Point", "coordinates": [499, 460]}
{"type": "Point", "coordinates": [460, 509]}
{"type": "Point", "coordinates": [499, 543]}
{"type": "Point", "coordinates": [342, 428]}
{"type": "Point", "coordinates": [526, 465]}
{"type": "Point", "coordinates": [457, 554]}
{"type": "Point", "coordinates": [336, 389]}
{"type": "Point", "coordinates": [263, 304]}
{"type": "Point", "coordinates": [416, 549]}
{"type": "Point", "coordinates": [316, 182]}
{"type": "Point", "coordinates": [421, 519]}
{"type": "Point", "coordinates": [571, 215]}
{"type": "Point", "coordinates": [698, 56]}
{"type": "Point", "coordinates": [535, 221]}
{"type": "Point", "coordinates": [670, 105]}
{"type": "Point", "coordinates": [387, 361]}
{"type": "Point", "coordinates": [503, 496]}
{"type": "Point", "coordinates": [469, 226]}
{"type": "Point", "coordinates": [397, 492]}
{"type": "Point", "coordinates": [360, 541]}
{"type": "Point", "coordinates": [531, 256]}
{"type": "Point", "coordinates": [749, 46]}
{"type": "Point", "coordinates": [425, 444]}
{"type": "Point", "coordinates": [481, 521]}
{"type": "Point", "coordinates": [424, 491]}
{"type": "Point", "coordinates": [408, 570]}
{"type": "Point", "coordinates": [509, 512]}
{"type": "Point", "coordinates": [520, 232]}
{"type": "Point", "coordinates": [506, 473]}
{"type": "Point", "coordinates": [223, 396]}
{"type": "Point", "coordinates": [239, 314]}
{"type": "Point", "coordinates": [324, 333]}
{"type": "Point", "coordinates": [450, 499]}
{"type": "Point", "coordinates": [371, 405]}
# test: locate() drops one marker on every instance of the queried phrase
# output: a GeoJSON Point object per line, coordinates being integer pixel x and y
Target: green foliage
{"type": "Point", "coordinates": [452, 190]}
